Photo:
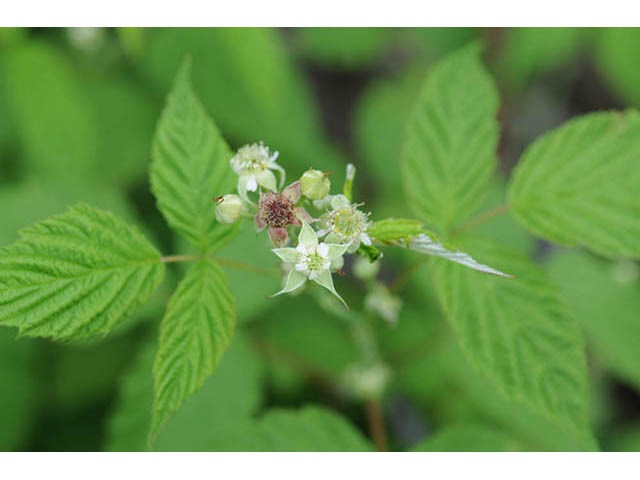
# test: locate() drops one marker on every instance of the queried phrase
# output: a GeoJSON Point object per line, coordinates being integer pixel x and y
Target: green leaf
{"type": "Point", "coordinates": [18, 390]}
{"type": "Point", "coordinates": [309, 429]}
{"type": "Point", "coordinates": [410, 234]}
{"type": "Point", "coordinates": [393, 230]}
{"type": "Point", "coordinates": [606, 300]}
{"type": "Point", "coordinates": [196, 330]}
{"type": "Point", "coordinates": [530, 52]}
{"type": "Point", "coordinates": [343, 48]}
{"type": "Point", "coordinates": [227, 399]}
{"type": "Point", "coordinates": [450, 146]}
{"type": "Point", "coordinates": [52, 112]}
{"type": "Point", "coordinates": [613, 50]}
{"type": "Point", "coordinates": [76, 275]}
{"type": "Point", "coordinates": [380, 123]}
{"type": "Point", "coordinates": [190, 166]}
{"type": "Point", "coordinates": [126, 119]}
{"type": "Point", "coordinates": [72, 371]}
{"type": "Point", "coordinates": [469, 438]}
{"type": "Point", "coordinates": [518, 334]}
{"type": "Point", "coordinates": [251, 289]}
{"type": "Point", "coordinates": [626, 439]}
{"type": "Point", "coordinates": [248, 80]}
{"type": "Point", "coordinates": [579, 184]}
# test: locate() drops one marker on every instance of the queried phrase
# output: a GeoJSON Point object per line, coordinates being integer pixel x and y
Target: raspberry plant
{"type": "Point", "coordinates": [78, 275]}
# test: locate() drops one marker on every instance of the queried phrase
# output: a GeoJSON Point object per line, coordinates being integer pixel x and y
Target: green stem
{"type": "Point", "coordinates": [222, 261]}
{"type": "Point", "coordinates": [180, 258]}
{"type": "Point", "coordinates": [246, 267]}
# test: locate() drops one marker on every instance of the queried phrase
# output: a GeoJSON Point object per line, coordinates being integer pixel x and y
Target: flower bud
{"type": "Point", "coordinates": [366, 382]}
{"type": "Point", "coordinates": [229, 208]}
{"type": "Point", "coordinates": [365, 270]}
{"type": "Point", "coordinates": [314, 184]}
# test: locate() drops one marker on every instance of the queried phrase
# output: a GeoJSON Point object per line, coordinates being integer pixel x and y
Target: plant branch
{"type": "Point", "coordinates": [483, 217]}
{"type": "Point", "coordinates": [180, 258]}
{"type": "Point", "coordinates": [246, 267]}
{"type": "Point", "coordinates": [377, 428]}
{"type": "Point", "coordinates": [222, 261]}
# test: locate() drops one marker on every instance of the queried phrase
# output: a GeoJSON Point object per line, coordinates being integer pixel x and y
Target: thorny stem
{"type": "Point", "coordinates": [377, 427]}
{"type": "Point", "coordinates": [222, 261]}
{"type": "Point", "coordinates": [483, 217]}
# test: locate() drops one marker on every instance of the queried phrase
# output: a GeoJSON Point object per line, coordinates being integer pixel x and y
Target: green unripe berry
{"type": "Point", "coordinates": [229, 208]}
{"type": "Point", "coordinates": [314, 184]}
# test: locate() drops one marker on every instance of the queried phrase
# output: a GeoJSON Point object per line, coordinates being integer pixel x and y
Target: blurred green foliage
{"type": "Point", "coordinates": [77, 115]}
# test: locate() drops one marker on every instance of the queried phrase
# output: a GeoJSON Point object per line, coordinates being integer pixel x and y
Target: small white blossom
{"type": "Point", "coordinates": [311, 260]}
{"type": "Point", "coordinates": [253, 165]}
{"type": "Point", "coordinates": [345, 223]}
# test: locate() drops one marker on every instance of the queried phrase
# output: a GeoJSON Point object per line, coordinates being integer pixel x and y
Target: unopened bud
{"type": "Point", "coordinates": [364, 269]}
{"type": "Point", "coordinates": [314, 184]}
{"type": "Point", "coordinates": [229, 208]}
{"type": "Point", "coordinates": [366, 382]}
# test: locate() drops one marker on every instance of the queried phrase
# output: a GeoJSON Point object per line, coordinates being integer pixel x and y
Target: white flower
{"type": "Point", "coordinates": [345, 224]}
{"type": "Point", "coordinates": [311, 260]}
{"type": "Point", "coordinates": [253, 165]}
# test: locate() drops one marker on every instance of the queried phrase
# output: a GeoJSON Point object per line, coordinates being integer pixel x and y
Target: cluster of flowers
{"type": "Point", "coordinates": [340, 226]}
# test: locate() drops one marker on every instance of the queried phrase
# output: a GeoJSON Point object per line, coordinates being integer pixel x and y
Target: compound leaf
{"type": "Point", "coordinates": [195, 331]}
{"type": "Point", "coordinates": [190, 166]}
{"type": "Point", "coordinates": [472, 437]}
{"type": "Point", "coordinates": [449, 152]}
{"type": "Point", "coordinates": [579, 184]}
{"type": "Point", "coordinates": [76, 275]}
{"type": "Point", "coordinates": [519, 335]}
{"type": "Point", "coordinates": [309, 429]}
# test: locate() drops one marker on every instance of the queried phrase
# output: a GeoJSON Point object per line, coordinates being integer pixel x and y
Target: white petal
{"type": "Point", "coordinates": [323, 250]}
{"type": "Point", "coordinates": [273, 157]}
{"type": "Point", "coordinates": [267, 180]}
{"type": "Point", "coordinates": [364, 238]}
{"type": "Point", "coordinates": [252, 183]}
{"type": "Point", "coordinates": [302, 267]}
{"type": "Point", "coordinates": [302, 249]}
{"type": "Point", "coordinates": [313, 275]}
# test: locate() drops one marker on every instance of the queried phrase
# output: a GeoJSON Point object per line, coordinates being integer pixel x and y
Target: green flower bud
{"type": "Point", "coordinates": [229, 208]}
{"type": "Point", "coordinates": [314, 184]}
{"type": "Point", "coordinates": [365, 270]}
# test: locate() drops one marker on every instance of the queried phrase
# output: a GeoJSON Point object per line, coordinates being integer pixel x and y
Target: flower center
{"type": "Point", "coordinates": [276, 210]}
{"type": "Point", "coordinates": [315, 261]}
{"type": "Point", "coordinates": [349, 222]}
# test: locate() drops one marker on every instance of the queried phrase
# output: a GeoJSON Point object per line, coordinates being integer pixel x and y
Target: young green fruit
{"type": "Point", "coordinates": [314, 184]}
{"type": "Point", "coordinates": [229, 208]}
